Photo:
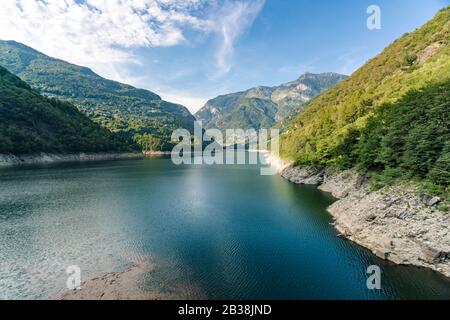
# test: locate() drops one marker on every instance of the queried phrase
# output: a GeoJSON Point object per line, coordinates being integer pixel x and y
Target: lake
{"type": "Point", "coordinates": [221, 232]}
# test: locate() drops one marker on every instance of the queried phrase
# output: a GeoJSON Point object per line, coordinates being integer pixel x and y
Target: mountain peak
{"type": "Point", "coordinates": [263, 106]}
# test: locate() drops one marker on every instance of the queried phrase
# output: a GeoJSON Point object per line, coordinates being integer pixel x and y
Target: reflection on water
{"type": "Point", "coordinates": [224, 231]}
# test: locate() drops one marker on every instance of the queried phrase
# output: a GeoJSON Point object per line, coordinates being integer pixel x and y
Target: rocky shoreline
{"type": "Point", "coordinates": [157, 153]}
{"type": "Point", "coordinates": [395, 223]}
{"type": "Point", "coordinates": [10, 160]}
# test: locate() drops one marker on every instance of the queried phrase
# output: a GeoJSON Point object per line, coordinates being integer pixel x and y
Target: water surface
{"type": "Point", "coordinates": [225, 230]}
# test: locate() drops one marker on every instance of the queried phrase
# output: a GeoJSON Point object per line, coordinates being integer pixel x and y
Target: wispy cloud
{"type": "Point", "coordinates": [102, 33]}
{"type": "Point", "coordinates": [98, 33]}
{"type": "Point", "coordinates": [233, 20]}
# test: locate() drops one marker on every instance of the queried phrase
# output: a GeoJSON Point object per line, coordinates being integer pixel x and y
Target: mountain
{"type": "Point", "coordinates": [31, 123]}
{"type": "Point", "coordinates": [391, 117]}
{"type": "Point", "coordinates": [263, 107]}
{"type": "Point", "coordinates": [134, 114]}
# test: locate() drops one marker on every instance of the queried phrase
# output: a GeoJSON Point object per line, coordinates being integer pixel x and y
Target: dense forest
{"type": "Point", "coordinates": [404, 139]}
{"type": "Point", "coordinates": [32, 123]}
{"type": "Point", "coordinates": [390, 117]}
{"type": "Point", "coordinates": [137, 115]}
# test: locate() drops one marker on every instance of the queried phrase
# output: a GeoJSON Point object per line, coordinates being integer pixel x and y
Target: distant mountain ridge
{"type": "Point", "coordinates": [264, 107]}
{"type": "Point", "coordinates": [135, 114]}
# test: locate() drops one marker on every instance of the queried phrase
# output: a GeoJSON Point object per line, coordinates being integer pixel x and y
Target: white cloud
{"type": "Point", "coordinates": [232, 20]}
{"type": "Point", "coordinates": [97, 33]}
{"type": "Point", "coordinates": [104, 34]}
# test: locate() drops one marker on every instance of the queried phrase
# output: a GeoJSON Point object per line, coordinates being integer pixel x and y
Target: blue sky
{"type": "Point", "coordinates": [193, 50]}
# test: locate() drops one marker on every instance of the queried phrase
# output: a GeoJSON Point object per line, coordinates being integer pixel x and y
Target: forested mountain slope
{"type": "Point", "coordinates": [134, 114]}
{"type": "Point", "coordinates": [264, 107]}
{"type": "Point", "coordinates": [391, 116]}
{"type": "Point", "coordinates": [31, 123]}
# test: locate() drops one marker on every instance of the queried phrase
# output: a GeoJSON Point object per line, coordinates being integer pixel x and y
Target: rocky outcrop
{"type": "Point", "coordinates": [304, 175]}
{"type": "Point", "coordinates": [430, 51]}
{"type": "Point", "coordinates": [8, 160]}
{"type": "Point", "coordinates": [396, 223]}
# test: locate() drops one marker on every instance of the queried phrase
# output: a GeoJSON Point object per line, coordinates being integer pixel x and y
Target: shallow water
{"type": "Point", "coordinates": [222, 232]}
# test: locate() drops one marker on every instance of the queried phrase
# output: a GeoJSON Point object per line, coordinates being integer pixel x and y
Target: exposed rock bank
{"type": "Point", "coordinates": [157, 153]}
{"type": "Point", "coordinates": [9, 160]}
{"type": "Point", "coordinates": [395, 223]}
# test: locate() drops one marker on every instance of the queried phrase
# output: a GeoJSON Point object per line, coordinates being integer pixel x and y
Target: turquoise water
{"type": "Point", "coordinates": [221, 232]}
